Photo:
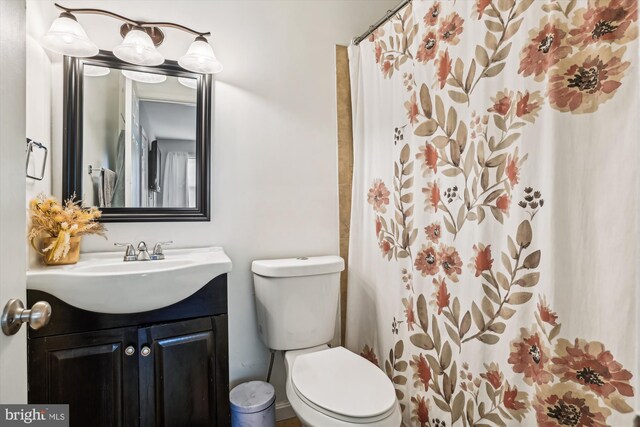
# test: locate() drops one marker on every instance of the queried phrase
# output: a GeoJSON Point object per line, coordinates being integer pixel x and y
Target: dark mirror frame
{"type": "Point", "coordinates": [73, 169]}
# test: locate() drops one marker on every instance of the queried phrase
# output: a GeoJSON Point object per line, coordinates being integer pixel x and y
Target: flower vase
{"type": "Point", "coordinates": [72, 256]}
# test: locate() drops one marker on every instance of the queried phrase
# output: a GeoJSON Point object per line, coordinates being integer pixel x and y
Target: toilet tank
{"type": "Point", "coordinates": [297, 300]}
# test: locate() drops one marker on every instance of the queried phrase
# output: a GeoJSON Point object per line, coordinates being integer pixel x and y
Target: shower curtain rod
{"type": "Point", "coordinates": [380, 22]}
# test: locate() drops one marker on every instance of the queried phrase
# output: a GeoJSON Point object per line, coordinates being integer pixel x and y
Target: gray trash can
{"type": "Point", "coordinates": [253, 405]}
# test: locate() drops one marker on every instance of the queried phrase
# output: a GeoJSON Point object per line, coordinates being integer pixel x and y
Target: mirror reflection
{"type": "Point", "coordinates": [139, 139]}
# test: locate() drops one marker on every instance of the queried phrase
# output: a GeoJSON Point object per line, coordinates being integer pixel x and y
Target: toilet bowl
{"type": "Point", "coordinates": [333, 387]}
{"type": "Point", "coordinates": [297, 304]}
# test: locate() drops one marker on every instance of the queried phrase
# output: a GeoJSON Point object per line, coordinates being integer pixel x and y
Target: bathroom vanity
{"type": "Point", "coordinates": [166, 366]}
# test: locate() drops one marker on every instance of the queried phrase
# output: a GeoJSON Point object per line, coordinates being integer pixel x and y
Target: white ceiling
{"type": "Point", "coordinates": [169, 90]}
{"type": "Point", "coordinates": [168, 120]}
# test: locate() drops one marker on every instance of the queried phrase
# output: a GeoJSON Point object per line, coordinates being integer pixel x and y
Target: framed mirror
{"type": "Point", "coordinates": [137, 139]}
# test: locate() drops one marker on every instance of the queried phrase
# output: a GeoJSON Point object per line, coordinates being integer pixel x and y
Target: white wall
{"type": "Point", "coordinates": [274, 150]}
{"type": "Point", "coordinates": [38, 99]}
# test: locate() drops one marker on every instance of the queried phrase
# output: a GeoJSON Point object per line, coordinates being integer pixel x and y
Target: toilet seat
{"type": "Point", "coordinates": [343, 385]}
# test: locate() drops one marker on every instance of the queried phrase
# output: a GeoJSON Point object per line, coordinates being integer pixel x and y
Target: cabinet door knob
{"type": "Point", "coordinates": [129, 350]}
{"type": "Point", "coordinates": [145, 351]}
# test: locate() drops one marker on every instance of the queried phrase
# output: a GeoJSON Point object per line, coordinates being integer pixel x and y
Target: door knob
{"type": "Point", "coordinates": [129, 350]}
{"type": "Point", "coordinates": [145, 351]}
{"type": "Point", "coordinates": [14, 315]}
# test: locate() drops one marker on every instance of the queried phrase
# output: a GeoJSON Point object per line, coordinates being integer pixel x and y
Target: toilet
{"type": "Point", "coordinates": [297, 304]}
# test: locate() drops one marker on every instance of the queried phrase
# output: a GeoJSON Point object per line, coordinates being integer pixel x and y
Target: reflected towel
{"type": "Point", "coordinates": [118, 196]}
{"type": "Point", "coordinates": [106, 187]}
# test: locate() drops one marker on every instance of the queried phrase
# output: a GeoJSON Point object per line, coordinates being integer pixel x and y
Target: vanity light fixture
{"type": "Point", "coordinates": [137, 48]}
{"type": "Point", "coordinates": [95, 71]}
{"type": "Point", "coordinates": [190, 83]}
{"type": "Point", "coordinates": [141, 38]}
{"type": "Point", "coordinates": [142, 77]}
{"type": "Point", "coordinates": [66, 36]}
{"type": "Point", "coordinates": [200, 58]}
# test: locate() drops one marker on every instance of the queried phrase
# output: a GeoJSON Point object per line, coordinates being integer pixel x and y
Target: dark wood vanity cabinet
{"type": "Point", "coordinates": [89, 371]}
{"type": "Point", "coordinates": [167, 367]}
{"type": "Point", "coordinates": [178, 378]}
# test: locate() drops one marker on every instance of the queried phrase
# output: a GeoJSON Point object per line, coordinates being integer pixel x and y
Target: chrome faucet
{"type": "Point", "coordinates": [143, 254]}
{"type": "Point", "coordinates": [157, 250]}
{"type": "Point", "coordinates": [130, 253]}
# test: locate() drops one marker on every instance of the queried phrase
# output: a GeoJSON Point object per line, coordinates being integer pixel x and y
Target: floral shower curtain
{"type": "Point", "coordinates": [493, 252]}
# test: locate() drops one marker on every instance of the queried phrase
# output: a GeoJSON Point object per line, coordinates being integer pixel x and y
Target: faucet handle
{"type": "Point", "coordinates": [157, 250]}
{"type": "Point", "coordinates": [143, 253]}
{"type": "Point", "coordinates": [130, 253]}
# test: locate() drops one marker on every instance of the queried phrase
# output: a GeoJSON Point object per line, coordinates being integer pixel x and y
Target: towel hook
{"type": "Point", "coordinates": [91, 169]}
{"type": "Point", "coordinates": [30, 144]}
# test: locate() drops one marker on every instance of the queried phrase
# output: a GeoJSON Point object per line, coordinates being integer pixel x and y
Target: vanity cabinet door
{"type": "Point", "coordinates": [182, 381]}
{"type": "Point", "coordinates": [92, 372]}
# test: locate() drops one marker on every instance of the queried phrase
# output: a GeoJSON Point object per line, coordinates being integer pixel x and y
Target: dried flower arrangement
{"type": "Point", "coordinates": [61, 225]}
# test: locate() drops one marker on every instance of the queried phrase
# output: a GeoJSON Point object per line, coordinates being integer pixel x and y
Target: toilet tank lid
{"type": "Point", "coordinates": [301, 266]}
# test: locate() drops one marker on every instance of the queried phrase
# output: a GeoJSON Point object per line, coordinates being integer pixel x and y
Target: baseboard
{"type": "Point", "coordinates": [284, 411]}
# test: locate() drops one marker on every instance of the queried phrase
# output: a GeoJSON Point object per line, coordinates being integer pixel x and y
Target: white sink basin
{"type": "Point", "coordinates": [104, 283]}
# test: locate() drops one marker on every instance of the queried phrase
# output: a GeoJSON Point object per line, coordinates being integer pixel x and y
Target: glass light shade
{"type": "Point", "coordinates": [137, 48]}
{"type": "Point", "coordinates": [141, 77]}
{"type": "Point", "coordinates": [200, 58]}
{"type": "Point", "coordinates": [95, 71]}
{"type": "Point", "coordinates": [190, 83]}
{"type": "Point", "coordinates": [67, 37]}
